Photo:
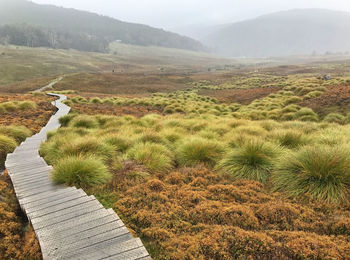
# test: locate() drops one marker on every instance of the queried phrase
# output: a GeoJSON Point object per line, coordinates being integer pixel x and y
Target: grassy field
{"type": "Point", "coordinates": [18, 64]}
{"type": "Point", "coordinates": [245, 161]}
{"type": "Point", "coordinates": [247, 164]}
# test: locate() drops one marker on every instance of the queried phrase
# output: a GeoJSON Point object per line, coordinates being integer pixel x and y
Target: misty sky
{"type": "Point", "coordinates": [170, 14]}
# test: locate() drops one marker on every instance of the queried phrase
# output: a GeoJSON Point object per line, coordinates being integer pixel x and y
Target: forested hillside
{"type": "Point", "coordinates": [28, 24]}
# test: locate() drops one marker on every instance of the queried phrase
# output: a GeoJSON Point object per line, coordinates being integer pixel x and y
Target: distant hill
{"type": "Point", "coordinates": [292, 32]}
{"type": "Point", "coordinates": [35, 25]}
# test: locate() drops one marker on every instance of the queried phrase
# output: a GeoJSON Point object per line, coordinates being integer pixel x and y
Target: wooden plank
{"type": "Point", "coordinates": [118, 236]}
{"type": "Point", "coordinates": [60, 207]}
{"type": "Point", "coordinates": [112, 249]}
{"type": "Point", "coordinates": [68, 223]}
{"type": "Point", "coordinates": [55, 201]}
{"type": "Point", "coordinates": [80, 225]}
{"type": "Point", "coordinates": [83, 233]}
{"type": "Point", "coordinates": [67, 214]}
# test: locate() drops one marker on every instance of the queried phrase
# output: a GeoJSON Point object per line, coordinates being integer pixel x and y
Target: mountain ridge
{"type": "Point", "coordinates": [291, 32]}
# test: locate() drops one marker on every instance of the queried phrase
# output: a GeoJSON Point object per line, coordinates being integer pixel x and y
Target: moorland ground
{"type": "Point", "coordinates": [20, 117]}
{"type": "Point", "coordinates": [246, 163]}
{"type": "Point", "coordinates": [200, 173]}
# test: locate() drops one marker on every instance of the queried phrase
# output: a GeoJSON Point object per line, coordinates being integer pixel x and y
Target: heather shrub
{"type": "Point", "coordinates": [80, 171]}
{"type": "Point", "coordinates": [253, 161]}
{"type": "Point", "coordinates": [322, 171]}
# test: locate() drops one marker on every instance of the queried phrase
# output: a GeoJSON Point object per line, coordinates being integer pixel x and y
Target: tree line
{"type": "Point", "coordinates": [31, 36]}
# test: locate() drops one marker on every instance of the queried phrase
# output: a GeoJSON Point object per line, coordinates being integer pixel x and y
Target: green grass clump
{"type": "Point", "coordinates": [19, 133]}
{"type": "Point", "coordinates": [25, 105]}
{"type": "Point", "coordinates": [305, 111]}
{"type": "Point", "coordinates": [80, 172]}
{"type": "Point", "coordinates": [96, 100]}
{"type": "Point", "coordinates": [87, 146]}
{"type": "Point", "coordinates": [253, 161]}
{"type": "Point", "coordinates": [288, 117]}
{"type": "Point", "coordinates": [307, 114]}
{"type": "Point", "coordinates": [7, 145]}
{"type": "Point", "coordinates": [313, 94]}
{"type": "Point", "coordinates": [120, 143]}
{"type": "Point", "coordinates": [347, 118]}
{"type": "Point", "coordinates": [195, 150]}
{"type": "Point", "coordinates": [65, 120]}
{"type": "Point", "coordinates": [172, 134]}
{"type": "Point", "coordinates": [291, 109]}
{"type": "Point", "coordinates": [290, 138]}
{"type": "Point", "coordinates": [334, 118]}
{"type": "Point", "coordinates": [9, 106]}
{"type": "Point", "coordinates": [85, 122]}
{"type": "Point", "coordinates": [292, 100]}
{"type": "Point", "coordinates": [155, 157]}
{"type": "Point", "coordinates": [322, 171]}
{"type": "Point", "coordinates": [2, 109]}
{"type": "Point", "coordinates": [150, 137]}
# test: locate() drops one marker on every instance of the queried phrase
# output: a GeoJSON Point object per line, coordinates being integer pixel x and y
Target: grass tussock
{"type": "Point", "coordinates": [7, 145]}
{"type": "Point", "coordinates": [19, 133]}
{"type": "Point", "coordinates": [156, 157]}
{"type": "Point", "coordinates": [241, 149]}
{"type": "Point", "coordinates": [290, 138]}
{"type": "Point", "coordinates": [80, 171]}
{"type": "Point", "coordinates": [193, 151]}
{"type": "Point", "coordinates": [252, 161]}
{"type": "Point", "coordinates": [85, 122]}
{"type": "Point", "coordinates": [323, 172]}
{"type": "Point", "coordinates": [12, 106]}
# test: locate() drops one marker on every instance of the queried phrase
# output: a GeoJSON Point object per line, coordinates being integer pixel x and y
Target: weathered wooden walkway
{"type": "Point", "coordinates": [68, 223]}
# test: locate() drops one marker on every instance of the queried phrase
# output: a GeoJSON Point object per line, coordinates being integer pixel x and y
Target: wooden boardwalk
{"type": "Point", "coordinates": [68, 223]}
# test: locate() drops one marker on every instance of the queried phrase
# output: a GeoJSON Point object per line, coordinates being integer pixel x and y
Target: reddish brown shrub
{"type": "Point", "coordinates": [15, 243]}
{"type": "Point", "coordinates": [196, 214]}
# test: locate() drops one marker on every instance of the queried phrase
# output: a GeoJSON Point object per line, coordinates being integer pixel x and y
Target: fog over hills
{"type": "Point", "coordinates": [26, 23]}
{"type": "Point", "coordinates": [295, 32]}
